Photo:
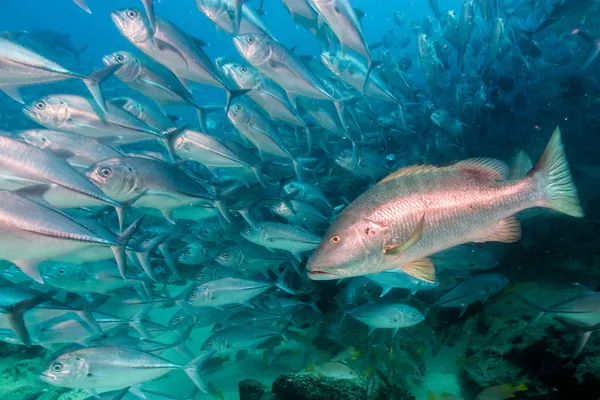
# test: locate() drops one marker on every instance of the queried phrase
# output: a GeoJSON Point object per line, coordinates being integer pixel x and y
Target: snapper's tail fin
{"type": "Point", "coordinates": [554, 177]}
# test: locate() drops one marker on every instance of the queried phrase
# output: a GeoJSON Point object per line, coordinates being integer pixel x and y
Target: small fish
{"type": "Point", "coordinates": [501, 392]}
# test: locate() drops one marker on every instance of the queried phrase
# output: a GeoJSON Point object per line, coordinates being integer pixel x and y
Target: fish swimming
{"type": "Point", "coordinates": [420, 210]}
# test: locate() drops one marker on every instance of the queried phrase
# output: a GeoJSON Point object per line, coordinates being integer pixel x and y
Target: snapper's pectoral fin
{"type": "Point", "coordinates": [507, 231]}
{"type": "Point", "coordinates": [422, 269]}
{"type": "Point", "coordinates": [414, 238]}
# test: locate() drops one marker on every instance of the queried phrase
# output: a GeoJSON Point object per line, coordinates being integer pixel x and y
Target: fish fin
{"type": "Point", "coordinates": [385, 290]}
{"type": "Point", "coordinates": [123, 238]}
{"type": "Point", "coordinates": [16, 311]}
{"type": "Point", "coordinates": [150, 14]}
{"type": "Point", "coordinates": [93, 81]}
{"type": "Point", "coordinates": [463, 309]}
{"type": "Point", "coordinates": [397, 250]}
{"type": "Point", "coordinates": [411, 170]}
{"type": "Point", "coordinates": [422, 269]}
{"type": "Point", "coordinates": [83, 5]}
{"type": "Point", "coordinates": [169, 260]}
{"type": "Point", "coordinates": [489, 167]}
{"type": "Point", "coordinates": [282, 285]}
{"type": "Point", "coordinates": [359, 13]}
{"type": "Point", "coordinates": [507, 231]}
{"type": "Point", "coordinates": [371, 330]}
{"type": "Point", "coordinates": [554, 179]}
{"type": "Point", "coordinates": [192, 369]}
{"type": "Point", "coordinates": [594, 45]}
{"type": "Point", "coordinates": [164, 46]}
{"type": "Point", "coordinates": [232, 94]}
{"type": "Point", "coordinates": [13, 93]}
{"type": "Point", "coordinates": [199, 42]}
{"type": "Point", "coordinates": [30, 268]}
{"type": "Point", "coordinates": [520, 165]}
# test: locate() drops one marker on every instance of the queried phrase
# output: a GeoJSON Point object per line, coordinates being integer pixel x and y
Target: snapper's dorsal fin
{"type": "Point", "coordinates": [490, 167]}
{"type": "Point", "coordinates": [411, 170]}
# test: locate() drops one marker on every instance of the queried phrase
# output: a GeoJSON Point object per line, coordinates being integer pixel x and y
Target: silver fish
{"type": "Point", "coordinates": [114, 367]}
{"type": "Point", "coordinates": [387, 316]}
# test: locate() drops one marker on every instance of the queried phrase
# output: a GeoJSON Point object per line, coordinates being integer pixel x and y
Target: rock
{"type": "Point", "coordinates": [251, 389]}
{"type": "Point", "coordinates": [309, 387]}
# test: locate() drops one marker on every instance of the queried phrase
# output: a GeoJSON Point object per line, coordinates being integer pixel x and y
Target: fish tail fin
{"type": "Point", "coordinates": [78, 54]}
{"type": "Point", "coordinates": [123, 238]}
{"type": "Point", "coordinates": [592, 41]}
{"type": "Point", "coordinates": [93, 81]}
{"type": "Point", "coordinates": [372, 65]}
{"type": "Point", "coordinates": [192, 369]}
{"type": "Point", "coordinates": [260, 176]}
{"type": "Point", "coordinates": [554, 178]}
{"type": "Point", "coordinates": [280, 283]}
{"type": "Point", "coordinates": [232, 94]}
{"type": "Point", "coordinates": [171, 135]}
{"type": "Point", "coordinates": [522, 386]}
{"type": "Point", "coordinates": [16, 311]}
{"type": "Point", "coordinates": [83, 5]}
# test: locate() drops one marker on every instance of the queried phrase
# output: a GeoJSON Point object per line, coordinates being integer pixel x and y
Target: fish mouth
{"type": "Point", "coordinates": [47, 378]}
{"type": "Point", "coordinates": [317, 275]}
{"type": "Point", "coordinates": [30, 114]}
{"type": "Point", "coordinates": [117, 19]}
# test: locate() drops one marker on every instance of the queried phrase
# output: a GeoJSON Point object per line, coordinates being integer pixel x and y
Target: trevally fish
{"type": "Point", "coordinates": [478, 288]}
{"type": "Point", "coordinates": [224, 14]}
{"type": "Point", "coordinates": [227, 291]}
{"type": "Point", "coordinates": [581, 314]}
{"type": "Point", "coordinates": [156, 184]}
{"type": "Point", "coordinates": [386, 316]}
{"type": "Point", "coordinates": [386, 227]}
{"type": "Point", "coordinates": [77, 149]}
{"type": "Point", "coordinates": [275, 235]}
{"type": "Point", "coordinates": [152, 80]}
{"type": "Point", "coordinates": [114, 367]}
{"type": "Point", "coordinates": [172, 47]}
{"type": "Point", "coordinates": [20, 66]}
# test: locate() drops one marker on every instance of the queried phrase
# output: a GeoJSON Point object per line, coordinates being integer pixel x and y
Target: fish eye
{"type": "Point", "coordinates": [249, 230]}
{"type": "Point", "coordinates": [219, 326]}
{"type": "Point", "coordinates": [177, 319]}
{"type": "Point", "coordinates": [344, 155]}
{"type": "Point", "coordinates": [57, 367]}
{"type": "Point", "coordinates": [40, 105]}
{"type": "Point", "coordinates": [244, 69]}
{"type": "Point", "coordinates": [119, 58]}
{"type": "Point", "coordinates": [225, 255]}
{"type": "Point", "coordinates": [105, 172]}
{"type": "Point", "coordinates": [250, 39]}
{"type": "Point", "coordinates": [61, 271]}
{"type": "Point", "coordinates": [238, 108]}
{"type": "Point", "coordinates": [209, 344]}
{"type": "Point", "coordinates": [132, 14]}
{"type": "Point", "coordinates": [201, 275]}
{"type": "Point", "coordinates": [335, 239]}
{"type": "Point", "coordinates": [188, 253]}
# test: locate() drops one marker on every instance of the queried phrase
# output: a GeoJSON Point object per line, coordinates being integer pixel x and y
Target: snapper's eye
{"type": "Point", "coordinates": [61, 271]}
{"type": "Point", "coordinates": [335, 239]}
{"type": "Point", "coordinates": [244, 69]}
{"type": "Point", "coordinates": [57, 367]}
{"type": "Point", "coordinates": [119, 58]}
{"type": "Point", "coordinates": [105, 172]}
{"type": "Point", "coordinates": [225, 255]}
{"type": "Point", "coordinates": [188, 253]}
{"type": "Point", "coordinates": [132, 14]}
{"type": "Point", "coordinates": [209, 344]}
{"type": "Point", "coordinates": [40, 105]}
{"type": "Point", "coordinates": [250, 39]}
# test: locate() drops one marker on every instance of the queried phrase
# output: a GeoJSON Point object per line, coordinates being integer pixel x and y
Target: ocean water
{"type": "Point", "coordinates": [168, 232]}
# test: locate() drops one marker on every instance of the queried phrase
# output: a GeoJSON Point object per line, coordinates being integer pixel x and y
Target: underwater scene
{"type": "Point", "coordinates": [299, 199]}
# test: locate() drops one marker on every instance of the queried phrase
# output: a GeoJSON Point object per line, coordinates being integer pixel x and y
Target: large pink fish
{"type": "Point", "coordinates": [421, 210]}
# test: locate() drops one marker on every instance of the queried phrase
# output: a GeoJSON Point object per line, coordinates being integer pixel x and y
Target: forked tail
{"type": "Point", "coordinates": [553, 174]}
